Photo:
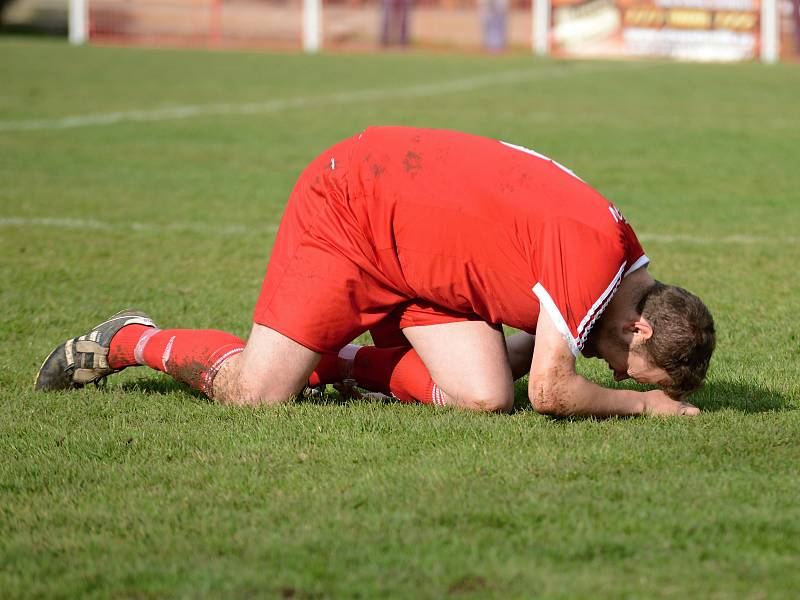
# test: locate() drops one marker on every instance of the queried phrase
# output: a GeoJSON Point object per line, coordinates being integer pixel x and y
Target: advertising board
{"type": "Point", "coordinates": [715, 30]}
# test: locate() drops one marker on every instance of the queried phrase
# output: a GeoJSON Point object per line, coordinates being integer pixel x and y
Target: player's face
{"type": "Point", "coordinates": [639, 368]}
{"type": "Point", "coordinates": [625, 358]}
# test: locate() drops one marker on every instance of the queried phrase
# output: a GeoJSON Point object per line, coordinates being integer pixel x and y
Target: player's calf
{"type": "Point", "coordinates": [271, 369]}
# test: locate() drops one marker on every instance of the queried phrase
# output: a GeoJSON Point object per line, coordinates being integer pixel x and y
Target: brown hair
{"type": "Point", "coordinates": [683, 336]}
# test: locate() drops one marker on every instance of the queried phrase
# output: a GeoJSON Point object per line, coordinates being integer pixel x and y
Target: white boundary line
{"type": "Point", "coordinates": [242, 229]}
{"type": "Point", "coordinates": [157, 228]}
{"type": "Point", "coordinates": [733, 240]}
{"type": "Point", "coordinates": [273, 106]}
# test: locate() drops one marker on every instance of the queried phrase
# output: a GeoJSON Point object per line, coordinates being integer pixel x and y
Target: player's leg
{"type": "Point", "coordinates": [469, 363]}
{"type": "Point", "coordinates": [333, 367]}
{"type": "Point", "coordinates": [397, 372]}
{"type": "Point", "coordinates": [191, 356]}
{"type": "Point", "coordinates": [520, 353]}
{"type": "Point", "coordinates": [271, 369]}
{"type": "Point", "coordinates": [392, 367]}
{"type": "Point", "coordinates": [389, 367]}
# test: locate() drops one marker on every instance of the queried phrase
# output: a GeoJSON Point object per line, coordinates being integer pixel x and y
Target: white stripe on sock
{"type": "Point", "coordinates": [208, 376]}
{"type": "Point", "coordinates": [167, 352]}
{"type": "Point", "coordinates": [138, 351]}
{"type": "Point", "coordinates": [437, 396]}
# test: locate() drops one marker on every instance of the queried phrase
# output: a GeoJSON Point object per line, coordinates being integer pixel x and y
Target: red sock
{"type": "Point", "coordinates": [327, 371]}
{"type": "Point", "coordinates": [397, 371]}
{"type": "Point", "coordinates": [123, 344]}
{"type": "Point", "coordinates": [334, 368]}
{"type": "Point", "coordinates": [192, 356]}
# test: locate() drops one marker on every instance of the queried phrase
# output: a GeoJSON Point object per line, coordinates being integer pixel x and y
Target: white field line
{"type": "Point", "coordinates": [155, 228]}
{"type": "Point", "coordinates": [340, 98]}
{"type": "Point", "coordinates": [242, 229]}
{"type": "Point", "coordinates": [734, 240]}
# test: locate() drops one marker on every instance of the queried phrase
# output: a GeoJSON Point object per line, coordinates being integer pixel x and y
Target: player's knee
{"type": "Point", "coordinates": [490, 399]}
{"type": "Point", "coordinates": [253, 396]}
{"type": "Point", "coordinates": [500, 404]}
{"type": "Point", "coordinates": [257, 392]}
{"type": "Point", "coordinates": [235, 385]}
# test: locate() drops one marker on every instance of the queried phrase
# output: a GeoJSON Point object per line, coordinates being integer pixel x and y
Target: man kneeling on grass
{"type": "Point", "coordinates": [431, 240]}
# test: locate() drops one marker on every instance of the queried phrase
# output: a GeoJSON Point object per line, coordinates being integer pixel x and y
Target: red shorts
{"type": "Point", "coordinates": [326, 282]}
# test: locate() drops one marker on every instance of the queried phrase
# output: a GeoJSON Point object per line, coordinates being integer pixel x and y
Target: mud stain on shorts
{"type": "Point", "coordinates": [412, 162]}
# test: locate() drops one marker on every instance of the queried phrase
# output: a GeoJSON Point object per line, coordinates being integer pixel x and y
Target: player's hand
{"type": "Point", "coordinates": [657, 402]}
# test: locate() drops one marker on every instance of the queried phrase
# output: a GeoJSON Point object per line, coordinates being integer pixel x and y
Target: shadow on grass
{"type": "Point", "coordinates": [164, 385]}
{"type": "Point", "coordinates": [715, 396]}
{"type": "Point", "coordinates": [159, 385]}
{"type": "Point", "coordinates": [742, 397]}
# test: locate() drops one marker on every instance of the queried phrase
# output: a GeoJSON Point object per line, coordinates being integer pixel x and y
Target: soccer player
{"type": "Point", "coordinates": [431, 240]}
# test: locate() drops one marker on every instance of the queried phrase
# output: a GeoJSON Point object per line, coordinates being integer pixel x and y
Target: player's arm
{"type": "Point", "coordinates": [555, 388]}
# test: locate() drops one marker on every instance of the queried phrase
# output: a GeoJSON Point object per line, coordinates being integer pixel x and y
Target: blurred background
{"type": "Point", "coordinates": [706, 30]}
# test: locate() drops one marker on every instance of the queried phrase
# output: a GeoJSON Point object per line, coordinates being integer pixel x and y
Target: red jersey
{"type": "Point", "coordinates": [480, 226]}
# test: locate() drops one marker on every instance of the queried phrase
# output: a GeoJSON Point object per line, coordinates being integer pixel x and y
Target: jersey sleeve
{"type": "Point", "coordinates": [578, 270]}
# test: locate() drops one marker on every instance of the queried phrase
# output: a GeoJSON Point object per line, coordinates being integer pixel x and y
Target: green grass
{"type": "Point", "coordinates": [144, 489]}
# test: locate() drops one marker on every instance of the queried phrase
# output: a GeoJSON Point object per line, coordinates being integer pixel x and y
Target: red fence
{"type": "Point", "coordinates": [348, 24]}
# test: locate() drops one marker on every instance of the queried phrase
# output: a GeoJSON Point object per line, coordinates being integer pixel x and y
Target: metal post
{"type": "Point", "coordinates": [312, 25]}
{"type": "Point", "coordinates": [541, 27]}
{"type": "Point", "coordinates": [770, 34]}
{"type": "Point", "coordinates": [78, 21]}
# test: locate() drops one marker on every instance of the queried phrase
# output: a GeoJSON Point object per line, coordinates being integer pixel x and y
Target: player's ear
{"type": "Point", "coordinates": [643, 328]}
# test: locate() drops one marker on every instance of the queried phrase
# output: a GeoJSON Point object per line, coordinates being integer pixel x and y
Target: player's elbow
{"type": "Point", "coordinates": [548, 398]}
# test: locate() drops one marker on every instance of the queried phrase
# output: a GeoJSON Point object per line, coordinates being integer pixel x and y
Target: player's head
{"type": "Point", "coordinates": [682, 339]}
{"type": "Point", "coordinates": [665, 336]}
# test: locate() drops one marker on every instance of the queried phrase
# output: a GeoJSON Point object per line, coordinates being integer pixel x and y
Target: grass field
{"type": "Point", "coordinates": [156, 179]}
